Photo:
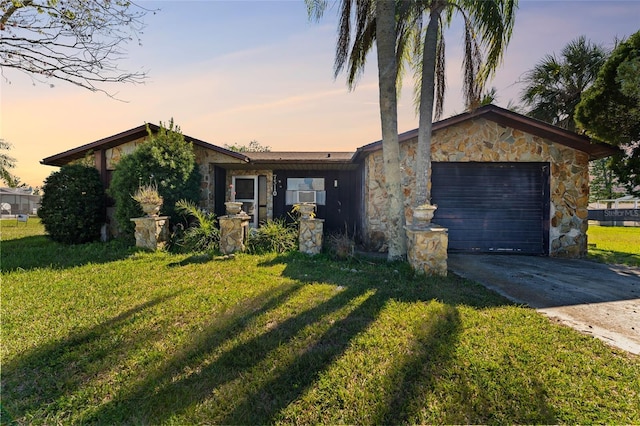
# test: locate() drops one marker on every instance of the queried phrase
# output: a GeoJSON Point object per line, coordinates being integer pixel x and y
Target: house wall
{"type": "Point", "coordinates": [486, 141]}
{"type": "Point", "coordinates": [341, 209]}
{"type": "Point", "coordinates": [207, 160]}
{"type": "Point", "coordinates": [253, 172]}
{"type": "Point", "coordinates": [113, 155]}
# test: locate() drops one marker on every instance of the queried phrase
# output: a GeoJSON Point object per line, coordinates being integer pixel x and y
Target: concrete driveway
{"type": "Point", "coordinates": [594, 298]}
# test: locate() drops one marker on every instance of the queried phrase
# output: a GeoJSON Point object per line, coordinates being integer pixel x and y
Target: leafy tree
{"type": "Point", "coordinates": [6, 163]}
{"type": "Point", "coordinates": [555, 86]}
{"type": "Point", "coordinates": [165, 160]}
{"type": "Point", "coordinates": [72, 208]}
{"type": "Point", "coordinates": [610, 109]}
{"type": "Point", "coordinates": [74, 41]}
{"type": "Point", "coordinates": [604, 182]}
{"type": "Point", "coordinates": [253, 146]}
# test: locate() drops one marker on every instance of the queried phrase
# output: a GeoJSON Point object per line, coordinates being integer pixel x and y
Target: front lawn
{"type": "Point", "coordinates": [614, 244]}
{"type": "Point", "coordinates": [104, 334]}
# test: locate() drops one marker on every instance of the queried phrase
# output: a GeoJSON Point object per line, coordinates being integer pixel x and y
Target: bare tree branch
{"type": "Point", "coordinates": [76, 41]}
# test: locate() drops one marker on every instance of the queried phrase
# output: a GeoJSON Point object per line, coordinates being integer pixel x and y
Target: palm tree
{"type": "Point", "coordinates": [554, 86]}
{"type": "Point", "coordinates": [488, 26]}
{"type": "Point", "coordinates": [387, 75]}
{"type": "Point", "coordinates": [375, 22]}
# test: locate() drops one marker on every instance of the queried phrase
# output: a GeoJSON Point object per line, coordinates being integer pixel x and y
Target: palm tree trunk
{"type": "Point", "coordinates": [425, 123]}
{"type": "Point", "coordinates": [387, 72]}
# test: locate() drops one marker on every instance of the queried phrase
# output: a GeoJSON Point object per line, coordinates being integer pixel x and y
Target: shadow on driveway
{"type": "Point", "coordinates": [595, 298]}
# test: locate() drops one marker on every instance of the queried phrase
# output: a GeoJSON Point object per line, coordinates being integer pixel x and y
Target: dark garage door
{"type": "Point", "coordinates": [493, 207]}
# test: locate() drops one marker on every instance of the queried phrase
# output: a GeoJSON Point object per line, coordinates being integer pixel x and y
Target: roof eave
{"type": "Point", "coordinates": [127, 136]}
{"type": "Point", "coordinates": [511, 119]}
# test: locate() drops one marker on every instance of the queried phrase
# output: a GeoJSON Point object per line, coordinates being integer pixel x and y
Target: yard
{"type": "Point", "coordinates": [102, 333]}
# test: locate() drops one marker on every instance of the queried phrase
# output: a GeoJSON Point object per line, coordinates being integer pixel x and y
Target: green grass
{"type": "Point", "coordinates": [104, 334]}
{"type": "Point", "coordinates": [611, 244]}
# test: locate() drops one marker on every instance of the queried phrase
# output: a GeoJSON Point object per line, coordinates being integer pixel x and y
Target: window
{"type": "Point", "coordinates": [305, 190]}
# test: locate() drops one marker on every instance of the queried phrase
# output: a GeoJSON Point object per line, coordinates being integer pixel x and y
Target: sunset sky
{"type": "Point", "coordinates": [231, 72]}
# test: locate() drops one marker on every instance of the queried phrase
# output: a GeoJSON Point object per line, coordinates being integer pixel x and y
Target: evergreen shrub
{"type": "Point", "coordinates": [165, 160]}
{"type": "Point", "coordinates": [73, 205]}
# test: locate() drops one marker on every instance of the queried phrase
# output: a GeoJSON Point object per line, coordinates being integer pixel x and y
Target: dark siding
{"type": "Point", "coordinates": [220, 190]}
{"type": "Point", "coordinates": [493, 207]}
{"type": "Point", "coordinates": [341, 210]}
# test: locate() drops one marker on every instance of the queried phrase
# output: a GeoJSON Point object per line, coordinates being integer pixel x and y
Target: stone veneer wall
{"type": "Point", "coordinates": [267, 173]}
{"type": "Point", "coordinates": [152, 232]}
{"type": "Point", "coordinates": [310, 235]}
{"type": "Point", "coordinates": [233, 233]}
{"type": "Point", "coordinates": [205, 158]}
{"type": "Point", "coordinates": [484, 140]}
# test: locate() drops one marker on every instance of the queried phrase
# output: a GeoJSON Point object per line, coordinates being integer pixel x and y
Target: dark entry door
{"type": "Point", "coordinates": [493, 207]}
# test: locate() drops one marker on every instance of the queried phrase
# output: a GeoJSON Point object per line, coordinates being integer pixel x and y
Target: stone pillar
{"type": "Point", "coordinates": [310, 235]}
{"type": "Point", "coordinates": [152, 232]}
{"type": "Point", "coordinates": [234, 231]}
{"type": "Point", "coordinates": [427, 248]}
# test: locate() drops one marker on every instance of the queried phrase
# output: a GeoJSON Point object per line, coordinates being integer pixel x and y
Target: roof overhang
{"type": "Point", "coordinates": [289, 160]}
{"type": "Point", "coordinates": [514, 120]}
{"type": "Point", "coordinates": [130, 135]}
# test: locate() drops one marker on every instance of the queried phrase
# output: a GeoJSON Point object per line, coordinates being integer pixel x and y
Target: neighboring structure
{"type": "Point", "coordinates": [623, 211]}
{"type": "Point", "coordinates": [503, 182]}
{"type": "Point", "coordinates": [14, 201]}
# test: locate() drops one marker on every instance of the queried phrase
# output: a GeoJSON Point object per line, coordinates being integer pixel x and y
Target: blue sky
{"type": "Point", "coordinates": [229, 72]}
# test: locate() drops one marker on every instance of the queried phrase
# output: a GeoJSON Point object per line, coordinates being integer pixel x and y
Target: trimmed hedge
{"type": "Point", "coordinates": [73, 205]}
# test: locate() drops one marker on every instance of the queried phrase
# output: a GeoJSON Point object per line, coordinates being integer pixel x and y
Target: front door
{"type": "Point", "coordinates": [246, 192]}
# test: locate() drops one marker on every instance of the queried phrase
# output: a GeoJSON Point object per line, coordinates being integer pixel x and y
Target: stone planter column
{"type": "Point", "coordinates": [152, 232]}
{"type": "Point", "coordinates": [427, 248]}
{"type": "Point", "coordinates": [427, 242]}
{"type": "Point", "coordinates": [310, 235]}
{"type": "Point", "coordinates": [234, 231]}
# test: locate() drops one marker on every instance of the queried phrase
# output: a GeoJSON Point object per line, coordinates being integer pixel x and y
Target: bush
{"type": "Point", "coordinates": [341, 246]}
{"type": "Point", "coordinates": [202, 234]}
{"type": "Point", "coordinates": [273, 236]}
{"type": "Point", "coordinates": [73, 205]}
{"type": "Point", "coordinates": [165, 160]}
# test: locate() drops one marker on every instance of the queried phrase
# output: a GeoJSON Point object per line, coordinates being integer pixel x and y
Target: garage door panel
{"type": "Point", "coordinates": [472, 225]}
{"type": "Point", "coordinates": [482, 214]}
{"type": "Point", "coordinates": [493, 207]}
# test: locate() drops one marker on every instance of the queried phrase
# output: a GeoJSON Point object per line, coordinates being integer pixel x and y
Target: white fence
{"type": "Point", "coordinates": [14, 201]}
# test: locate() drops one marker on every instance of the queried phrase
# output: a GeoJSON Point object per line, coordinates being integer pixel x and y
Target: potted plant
{"type": "Point", "coordinates": [149, 198]}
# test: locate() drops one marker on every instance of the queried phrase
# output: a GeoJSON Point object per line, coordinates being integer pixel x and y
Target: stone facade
{"type": "Point", "coordinates": [234, 230]}
{"type": "Point", "coordinates": [482, 140]}
{"type": "Point", "coordinates": [152, 232]}
{"type": "Point", "coordinates": [267, 173]}
{"type": "Point", "coordinates": [310, 236]}
{"type": "Point", "coordinates": [207, 160]}
{"type": "Point", "coordinates": [427, 249]}
{"type": "Point", "coordinates": [113, 155]}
